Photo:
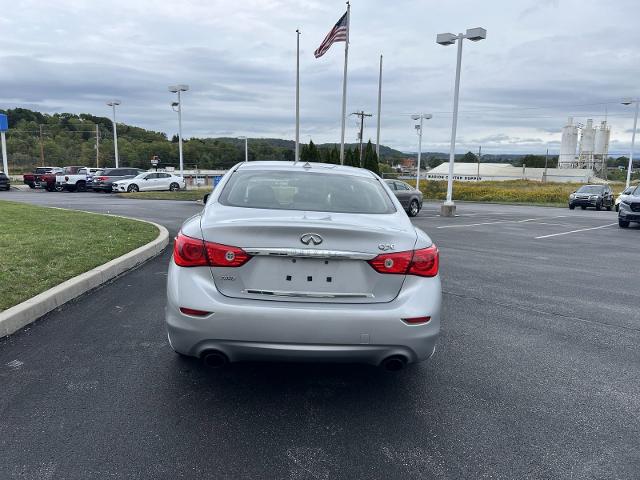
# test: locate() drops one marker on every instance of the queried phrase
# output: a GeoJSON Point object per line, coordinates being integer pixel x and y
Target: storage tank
{"type": "Point", "coordinates": [568, 145]}
{"type": "Point", "coordinates": [601, 147]}
{"type": "Point", "coordinates": [587, 141]}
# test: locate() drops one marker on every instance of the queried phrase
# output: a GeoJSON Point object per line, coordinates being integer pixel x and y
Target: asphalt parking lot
{"type": "Point", "coordinates": [537, 373]}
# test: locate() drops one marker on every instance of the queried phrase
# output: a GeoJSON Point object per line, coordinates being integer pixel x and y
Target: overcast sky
{"type": "Point", "coordinates": [542, 61]}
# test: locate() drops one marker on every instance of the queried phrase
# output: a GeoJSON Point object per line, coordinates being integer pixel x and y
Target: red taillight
{"type": "Point", "coordinates": [189, 252]}
{"type": "Point", "coordinates": [193, 312]}
{"type": "Point", "coordinates": [392, 262]}
{"type": "Point", "coordinates": [101, 179]}
{"type": "Point", "coordinates": [225, 255]}
{"type": "Point", "coordinates": [426, 262]}
{"type": "Point", "coordinates": [416, 320]}
{"type": "Point", "coordinates": [193, 252]}
{"type": "Point", "coordinates": [423, 262]}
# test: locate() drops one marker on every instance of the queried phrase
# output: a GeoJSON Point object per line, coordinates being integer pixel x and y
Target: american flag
{"type": "Point", "coordinates": [337, 34]}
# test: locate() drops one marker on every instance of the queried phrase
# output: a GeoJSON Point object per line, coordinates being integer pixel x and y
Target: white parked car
{"type": "Point", "coordinates": [150, 181]}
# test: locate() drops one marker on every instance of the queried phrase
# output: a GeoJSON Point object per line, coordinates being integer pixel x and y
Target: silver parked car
{"type": "Point", "coordinates": [303, 262]}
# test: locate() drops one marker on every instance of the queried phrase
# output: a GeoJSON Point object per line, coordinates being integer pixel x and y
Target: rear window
{"type": "Point", "coordinates": [285, 190]}
{"type": "Point", "coordinates": [590, 189]}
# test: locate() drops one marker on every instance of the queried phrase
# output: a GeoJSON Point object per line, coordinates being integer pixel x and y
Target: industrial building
{"type": "Point", "coordinates": [592, 149]}
{"type": "Point", "coordinates": [473, 172]}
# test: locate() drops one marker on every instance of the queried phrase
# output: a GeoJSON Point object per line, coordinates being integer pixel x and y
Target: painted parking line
{"type": "Point", "coordinates": [576, 231]}
{"type": "Point", "coordinates": [500, 221]}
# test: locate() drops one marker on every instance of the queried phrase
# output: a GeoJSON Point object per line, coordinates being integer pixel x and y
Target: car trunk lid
{"type": "Point", "coordinates": [307, 256]}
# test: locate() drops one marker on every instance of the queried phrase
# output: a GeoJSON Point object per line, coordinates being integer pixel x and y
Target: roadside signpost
{"type": "Point", "coordinates": [155, 160]}
{"type": "Point", "coordinates": [4, 126]}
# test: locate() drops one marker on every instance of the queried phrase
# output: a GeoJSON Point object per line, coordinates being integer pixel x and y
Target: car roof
{"type": "Point", "coordinates": [303, 166]}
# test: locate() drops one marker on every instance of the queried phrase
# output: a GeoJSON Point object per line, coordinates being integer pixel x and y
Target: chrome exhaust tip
{"type": "Point", "coordinates": [214, 359]}
{"type": "Point", "coordinates": [394, 363]}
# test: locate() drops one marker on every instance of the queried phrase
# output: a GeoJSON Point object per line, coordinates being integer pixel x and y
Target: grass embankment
{"type": "Point", "coordinates": [515, 191]}
{"type": "Point", "coordinates": [42, 247]}
{"type": "Point", "coordinates": [195, 194]}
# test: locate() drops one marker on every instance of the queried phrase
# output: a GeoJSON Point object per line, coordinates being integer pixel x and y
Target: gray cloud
{"type": "Point", "coordinates": [541, 62]}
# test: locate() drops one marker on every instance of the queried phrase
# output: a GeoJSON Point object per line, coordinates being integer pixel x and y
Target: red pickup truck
{"type": "Point", "coordinates": [42, 177]}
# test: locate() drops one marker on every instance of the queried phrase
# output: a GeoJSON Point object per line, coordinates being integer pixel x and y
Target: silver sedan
{"type": "Point", "coordinates": [303, 262]}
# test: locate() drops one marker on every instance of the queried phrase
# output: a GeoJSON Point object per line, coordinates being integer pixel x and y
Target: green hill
{"type": "Point", "coordinates": [70, 139]}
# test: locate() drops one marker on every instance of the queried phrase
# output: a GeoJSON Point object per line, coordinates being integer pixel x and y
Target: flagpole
{"type": "Point", "coordinates": [344, 84]}
{"type": "Point", "coordinates": [297, 155]}
{"type": "Point", "coordinates": [379, 108]}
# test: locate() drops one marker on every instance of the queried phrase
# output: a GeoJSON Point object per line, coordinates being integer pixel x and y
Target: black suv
{"type": "Point", "coordinates": [629, 210]}
{"type": "Point", "coordinates": [5, 183]}
{"type": "Point", "coordinates": [103, 181]}
{"type": "Point", "coordinates": [597, 196]}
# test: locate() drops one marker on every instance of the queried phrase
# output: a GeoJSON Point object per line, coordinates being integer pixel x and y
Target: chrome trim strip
{"type": "Point", "coordinates": [309, 253]}
{"type": "Point", "coordinates": [282, 293]}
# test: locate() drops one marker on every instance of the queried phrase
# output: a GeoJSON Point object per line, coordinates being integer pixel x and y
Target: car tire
{"type": "Point", "coordinates": [572, 206]}
{"type": "Point", "coordinates": [623, 223]}
{"type": "Point", "coordinates": [174, 187]}
{"type": "Point", "coordinates": [58, 188]}
{"type": "Point", "coordinates": [133, 188]}
{"type": "Point", "coordinates": [49, 188]}
{"type": "Point", "coordinates": [81, 187]}
{"type": "Point", "coordinates": [617, 208]}
{"type": "Point", "coordinates": [583, 207]}
{"type": "Point", "coordinates": [608, 208]}
{"type": "Point", "coordinates": [414, 208]}
{"type": "Point", "coordinates": [598, 206]}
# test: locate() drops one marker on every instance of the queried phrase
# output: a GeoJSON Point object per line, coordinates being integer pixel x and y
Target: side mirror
{"type": "Point", "coordinates": [206, 197]}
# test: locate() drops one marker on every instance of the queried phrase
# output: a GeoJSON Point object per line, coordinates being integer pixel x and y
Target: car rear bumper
{"type": "Point", "coordinates": [247, 330]}
{"type": "Point", "coordinates": [583, 203]}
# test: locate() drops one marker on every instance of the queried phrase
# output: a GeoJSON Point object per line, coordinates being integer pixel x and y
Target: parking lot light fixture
{"type": "Point", "coordinates": [246, 148]}
{"type": "Point", "coordinates": [473, 34]}
{"type": "Point", "coordinates": [113, 104]}
{"type": "Point", "coordinates": [421, 117]}
{"type": "Point", "coordinates": [179, 89]}
{"type": "Point", "coordinates": [629, 101]}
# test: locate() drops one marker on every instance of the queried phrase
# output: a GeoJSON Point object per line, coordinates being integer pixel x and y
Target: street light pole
{"type": "Point", "coordinates": [454, 127]}
{"type": "Point", "coordinates": [633, 136]}
{"type": "Point", "coordinates": [179, 89]}
{"type": "Point", "coordinates": [180, 133]}
{"type": "Point", "coordinates": [420, 117]}
{"type": "Point", "coordinates": [246, 147]}
{"type": "Point", "coordinates": [113, 104]}
{"type": "Point", "coordinates": [473, 34]}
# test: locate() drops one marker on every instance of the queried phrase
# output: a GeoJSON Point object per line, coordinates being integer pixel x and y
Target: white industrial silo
{"type": "Point", "coordinates": [601, 147]}
{"type": "Point", "coordinates": [587, 145]}
{"type": "Point", "coordinates": [568, 145]}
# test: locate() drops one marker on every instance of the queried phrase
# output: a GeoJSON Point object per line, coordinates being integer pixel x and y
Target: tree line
{"type": "Point", "coordinates": [62, 139]}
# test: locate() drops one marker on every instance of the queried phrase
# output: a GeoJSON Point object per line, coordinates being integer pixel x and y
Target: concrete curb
{"type": "Point", "coordinates": [18, 316]}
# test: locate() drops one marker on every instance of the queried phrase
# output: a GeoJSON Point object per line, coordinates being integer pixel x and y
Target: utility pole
{"type": "Point", "coordinates": [479, 155]}
{"type": "Point", "coordinates": [41, 147]}
{"type": "Point", "coordinates": [97, 146]}
{"type": "Point", "coordinates": [361, 114]}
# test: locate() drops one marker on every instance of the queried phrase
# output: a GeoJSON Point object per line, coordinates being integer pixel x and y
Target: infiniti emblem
{"type": "Point", "coordinates": [311, 239]}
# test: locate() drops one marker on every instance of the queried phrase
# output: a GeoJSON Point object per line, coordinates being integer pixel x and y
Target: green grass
{"type": "Point", "coordinates": [514, 191]}
{"type": "Point", "coordinates": [42, 247]}
{"type": "Point", "coordinates": [196, 194]}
